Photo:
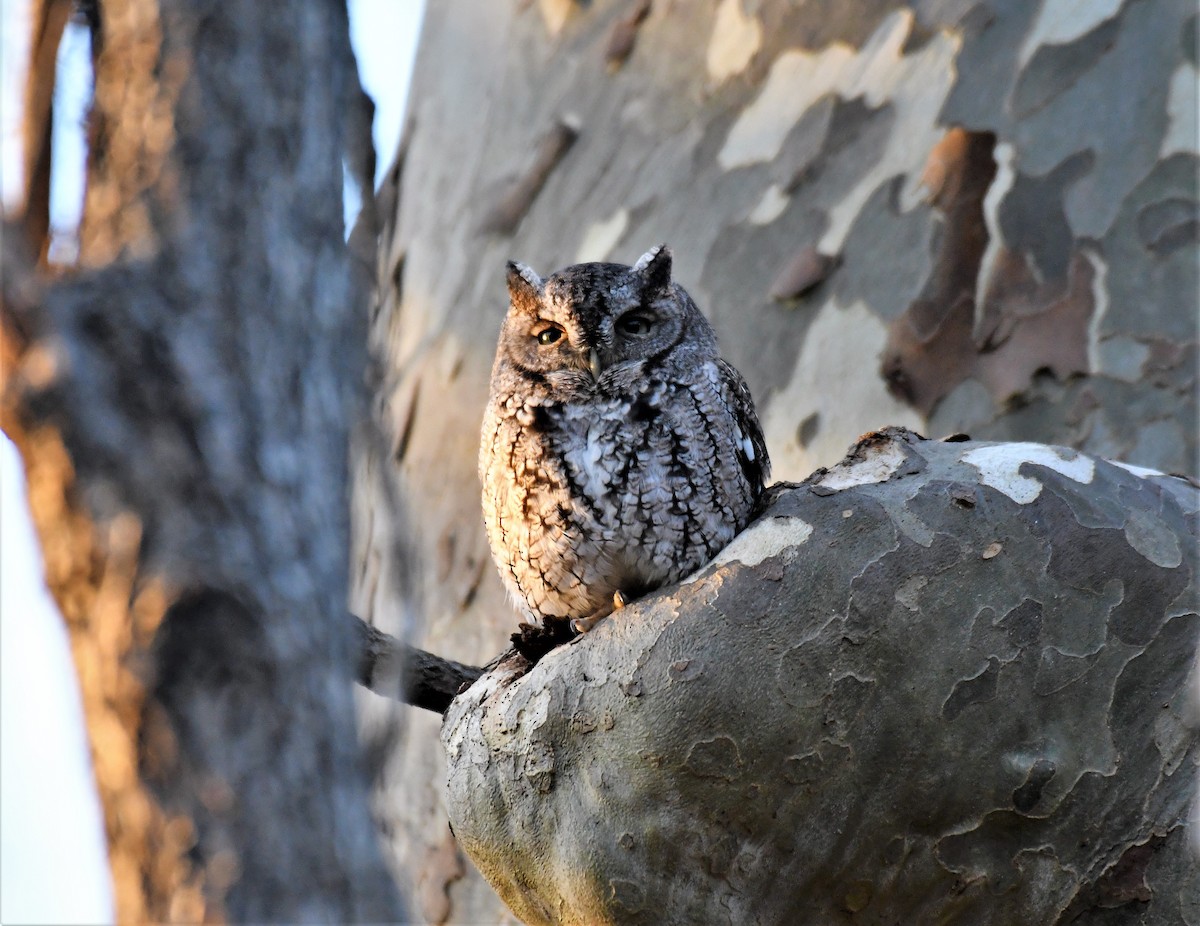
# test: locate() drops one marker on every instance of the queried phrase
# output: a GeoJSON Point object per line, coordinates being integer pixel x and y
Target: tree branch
{"type": "Point", "coordinates": [395, 670]}
{"type": "Point", "coordinates": [903, 691]}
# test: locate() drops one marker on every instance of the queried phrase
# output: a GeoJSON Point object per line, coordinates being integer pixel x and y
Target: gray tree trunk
{"type": "Point", "coordinates": [954, 216]}
{"type": "Point", "coordinates": [183, 401]}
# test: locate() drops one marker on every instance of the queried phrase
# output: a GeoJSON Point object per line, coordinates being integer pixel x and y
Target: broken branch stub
{"type": "Point", "coordinates": [939, 682]}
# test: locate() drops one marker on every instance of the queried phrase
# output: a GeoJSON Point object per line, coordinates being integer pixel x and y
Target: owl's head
{"type": "Point", "coordinates": [595, 323]}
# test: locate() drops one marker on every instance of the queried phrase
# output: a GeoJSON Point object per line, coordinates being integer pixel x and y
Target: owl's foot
{"type": "Point", "coordinates": [533, 641]}
{"type": "Point", "coordinates": [584, 624]}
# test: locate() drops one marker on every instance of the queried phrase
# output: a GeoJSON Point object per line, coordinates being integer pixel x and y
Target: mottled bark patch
{"type": "Point", "coordinates": [876, 718]}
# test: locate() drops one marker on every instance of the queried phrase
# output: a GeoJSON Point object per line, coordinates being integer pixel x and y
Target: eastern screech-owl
{"type": "Point", "coordinates": [619, 451]}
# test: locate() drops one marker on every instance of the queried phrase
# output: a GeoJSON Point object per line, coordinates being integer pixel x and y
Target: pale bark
{"type": "Point", "coordinates": [942, 682]}
{"type": "Point", "coordinates": [988, 207]}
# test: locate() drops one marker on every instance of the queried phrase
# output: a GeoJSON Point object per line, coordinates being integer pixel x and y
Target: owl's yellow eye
{"type": "Point", "coordinates": [635, 324]}
{"type": "Point", "coordinates": [549, 335]}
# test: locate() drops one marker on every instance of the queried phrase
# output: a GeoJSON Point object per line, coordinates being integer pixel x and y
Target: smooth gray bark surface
{"type": "Point", "coordinates": [941, 682]}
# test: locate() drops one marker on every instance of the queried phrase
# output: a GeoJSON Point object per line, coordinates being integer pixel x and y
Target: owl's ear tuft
{"type": "Point", "coordinates": [524, 286]}
{"type": "Point", "coordinates": [654, 267]}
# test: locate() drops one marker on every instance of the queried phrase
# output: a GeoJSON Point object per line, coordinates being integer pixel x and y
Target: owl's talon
{"type": "Point", "coordinates": [582, 625]}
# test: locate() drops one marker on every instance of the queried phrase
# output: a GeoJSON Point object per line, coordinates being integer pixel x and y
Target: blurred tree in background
{"type": "Point", "coordinates": [183, 400]}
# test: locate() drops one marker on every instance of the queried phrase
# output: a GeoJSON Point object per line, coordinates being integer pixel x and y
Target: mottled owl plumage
{"type": "Point", "coordinates": [619, 451]}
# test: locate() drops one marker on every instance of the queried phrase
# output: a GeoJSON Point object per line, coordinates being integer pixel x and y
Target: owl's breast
{"type": "Point", "coordinates": [595, 446]}
{"type": "Point", "coordinates": [584, 499]}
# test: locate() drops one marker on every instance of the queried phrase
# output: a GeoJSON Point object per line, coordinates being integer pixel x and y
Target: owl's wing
{"type": "Point", "coordinates": [751, 445]}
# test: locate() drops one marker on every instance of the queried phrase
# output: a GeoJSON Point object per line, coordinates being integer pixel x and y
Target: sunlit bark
{"type": "Point", "coordinates": [183, 401]}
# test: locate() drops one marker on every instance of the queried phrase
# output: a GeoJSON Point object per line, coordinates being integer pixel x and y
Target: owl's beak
{"type": "Point", "coordinates": [594, 364]}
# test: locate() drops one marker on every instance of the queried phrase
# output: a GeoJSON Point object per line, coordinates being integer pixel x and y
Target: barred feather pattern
{"type": "Point", "coordinates": [624, 457]}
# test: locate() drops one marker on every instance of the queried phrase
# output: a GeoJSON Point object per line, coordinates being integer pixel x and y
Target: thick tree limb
{"type": "Point", "coordinates": [763, 137]}
{"type": "Point", "coordinates": [941, 682]}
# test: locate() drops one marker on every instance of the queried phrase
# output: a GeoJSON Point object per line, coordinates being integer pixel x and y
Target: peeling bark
{"type": "Point", "coordinates": [940, 682]}
{"type": "Point", "coordinates": [518, 194]}
{"type": "Point", "coordinates": [756, 138]}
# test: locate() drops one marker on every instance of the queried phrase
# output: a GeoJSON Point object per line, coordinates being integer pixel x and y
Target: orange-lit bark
{"type": "Point", "coordinates": [160, 394]}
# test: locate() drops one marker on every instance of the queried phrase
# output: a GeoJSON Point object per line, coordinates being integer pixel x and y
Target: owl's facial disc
{"type": "Point", "coordinates": [594, 323]}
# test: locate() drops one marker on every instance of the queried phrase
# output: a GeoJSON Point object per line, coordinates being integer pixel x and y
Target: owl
{"type": "Point", "coordinates": [619, 452]}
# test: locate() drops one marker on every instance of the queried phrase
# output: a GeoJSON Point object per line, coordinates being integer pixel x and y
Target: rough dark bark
{"type": "Point", "coordinates": [941, 682]}
{"type": "Point", "coordinates": [956, 216]}
{"type": "Point", "coordinates": [409, 675]}
{"type": "Point", "coordinates": [183, 401]}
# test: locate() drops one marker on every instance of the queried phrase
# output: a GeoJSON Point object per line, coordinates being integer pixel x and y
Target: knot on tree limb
{"type": "Point", "coordinates": [939, 680]}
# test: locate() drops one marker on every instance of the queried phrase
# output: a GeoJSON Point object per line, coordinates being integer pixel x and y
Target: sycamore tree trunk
{"type": "Point", "coordinates": [958, 216]}
{"type": "Point", "coordinates": [183, 400]}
